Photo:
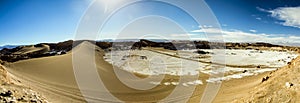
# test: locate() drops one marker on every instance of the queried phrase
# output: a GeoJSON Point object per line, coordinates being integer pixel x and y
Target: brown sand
{"type": "Point", "coordinates": [12, 91]}
{"type": "Point", "coordinates": [31, 49]}
{"type": "Point", "coordinates": [54, 78]}
{"type": "Point", "coordinates": [282, 87]}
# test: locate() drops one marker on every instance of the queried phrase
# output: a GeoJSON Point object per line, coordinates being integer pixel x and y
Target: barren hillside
{"type": "Point", "coordinates": [282, 86]}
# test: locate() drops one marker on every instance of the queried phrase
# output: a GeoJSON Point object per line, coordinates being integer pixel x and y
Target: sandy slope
{"type": "Point", "coordinates": [11, 90]}
{"type": "Point", "coordinates": [54, 78]}
{"type": "Point", "coordinates": [282, 87]}
{"type": "Point", "coordinates": [32, 49]}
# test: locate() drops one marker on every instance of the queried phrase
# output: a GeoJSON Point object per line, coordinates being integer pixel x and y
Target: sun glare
{"type": "Point", "coordinates": [110, 4]}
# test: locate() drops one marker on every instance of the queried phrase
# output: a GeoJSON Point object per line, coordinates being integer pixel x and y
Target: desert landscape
{"type": "Point", "coordinates": [253, 73]}
{"type": "Point", "coordinates": [149, 51]}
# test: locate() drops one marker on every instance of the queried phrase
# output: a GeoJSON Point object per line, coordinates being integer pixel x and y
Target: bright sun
{"type": "Point", "coordinates": [110, 4]}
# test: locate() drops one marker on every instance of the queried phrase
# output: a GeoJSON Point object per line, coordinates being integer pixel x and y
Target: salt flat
{"type": "Point", "coordinates": [238, 63]}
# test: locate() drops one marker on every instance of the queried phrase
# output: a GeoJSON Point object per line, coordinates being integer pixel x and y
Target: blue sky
{"type": "Point", "coordinates": [246, 14]}
{"type": "Point", "coordinates": [36, 21]}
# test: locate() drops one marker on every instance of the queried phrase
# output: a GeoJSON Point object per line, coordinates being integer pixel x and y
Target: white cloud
{"type": "Point", "coordinates": [261, 9]}
{"type": "Point", "coordinates": [258, 18]}
{"type": "Point", "coordinates": [181, 35]}
{"type": "Point", "coordinates": [205, 26]}
{"type": "Point", "coordinates": [289, 15]}
{"type": "Point", "coordinates": [253, 31]}
{"type": "Point", "coordinates": [187, 36]}
{"type": "Point", "coordinates": [240, 36]}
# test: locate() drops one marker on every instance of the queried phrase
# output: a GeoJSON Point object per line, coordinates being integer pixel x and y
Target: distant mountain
{"type": "Point", "coordinates": [288, 44]}
{"type": "Point", "coordinates": [8, 46]}
{"type": "Point", "coordinates": [132, 40]}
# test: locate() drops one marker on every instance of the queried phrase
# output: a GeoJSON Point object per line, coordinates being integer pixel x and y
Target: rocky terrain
{"type": "Point", "coordinates": [179, 45]}
{"type": "Point", "coordinates": [42, 50]}
{"type": "Point", "coordinates": [281, 86]}
{"type": "Point", "coordinates": [8, 46]}
{"type": "Point", "coordinates": [12, 91]}
{"type": "Point", "coordinates": [51, 49]}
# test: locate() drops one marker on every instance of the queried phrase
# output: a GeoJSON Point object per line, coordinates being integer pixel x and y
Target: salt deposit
{"type": "Point", "coordinates": [239, 63]}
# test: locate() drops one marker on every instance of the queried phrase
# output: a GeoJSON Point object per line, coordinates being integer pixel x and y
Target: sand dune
{"type": "Point", "coordinates": [32, 49]}
{"type": "Point", "coordinates": [54, 78]}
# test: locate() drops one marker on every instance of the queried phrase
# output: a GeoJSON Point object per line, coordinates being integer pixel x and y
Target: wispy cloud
{"type": "Point", "coordinates": [290, 16]}
{"type": "Point", "coordinates": [180, 35]}
{"type": "Point", "coordinates": [205, 26]}
{"type": "Point", "coordinates": [258, 18]}
{"type": "Point", "coordinates": [253, 31]}
{"type": "Point", "coordinates": [241, 36]}
{"type": "Point", "coordinates": [261, 9]}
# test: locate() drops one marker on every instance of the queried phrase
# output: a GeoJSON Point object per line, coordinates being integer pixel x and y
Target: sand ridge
{"type": "Point", "coordinates": [42, 48]}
